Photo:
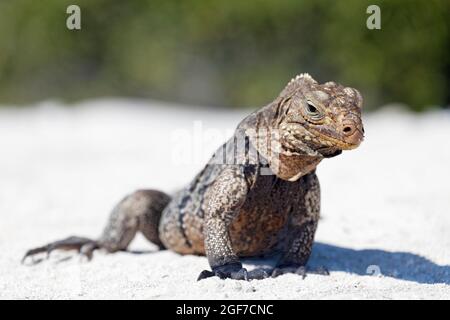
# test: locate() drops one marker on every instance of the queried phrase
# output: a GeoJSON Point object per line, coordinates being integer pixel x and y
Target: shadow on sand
{"type": "Point", "coordinates": [398, 265]}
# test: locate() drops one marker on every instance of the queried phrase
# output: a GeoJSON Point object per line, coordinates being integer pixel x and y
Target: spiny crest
{"type": "Point", "coordinates": [301, 76]}
{"type": "Point", "coordinates": [296, 82]}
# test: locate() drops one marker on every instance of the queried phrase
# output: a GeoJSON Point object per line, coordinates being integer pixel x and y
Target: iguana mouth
{"type": "Point", "coordinates": [336, 142]}
{"type": "Point", "coordinates": [325, 139]}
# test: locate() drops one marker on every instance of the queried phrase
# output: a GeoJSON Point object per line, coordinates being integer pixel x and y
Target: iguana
{"type": "Point", "coordinates": [258, 195]}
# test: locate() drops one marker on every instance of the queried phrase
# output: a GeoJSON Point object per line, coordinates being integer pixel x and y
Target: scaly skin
{"type": "Point", "coordinates": [258, 194]}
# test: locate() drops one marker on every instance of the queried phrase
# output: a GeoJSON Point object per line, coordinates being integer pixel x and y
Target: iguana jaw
{"type": "Point", "coordinates": [333, 142]}
{"type": "Point", "coordinates": [300, 139]}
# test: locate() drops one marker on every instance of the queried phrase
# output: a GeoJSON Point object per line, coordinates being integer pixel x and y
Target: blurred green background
{"type": "Point", "coordinates": [229, 53]}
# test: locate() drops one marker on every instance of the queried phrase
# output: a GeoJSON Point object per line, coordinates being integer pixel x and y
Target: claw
{"type": "Point", "coordinates": [88, 249]}
{"type": "Point", "coordinates": [205, 274]}
{"type": "Point", "coordinates": [257, 274]}
{"type": "Point", "coordinates": [84, 246]}
{"type": "Point", "coordinates": [301, 271]}
{"type": "Point", "coordinates": [33, 252]}
{"type": "Point", "coordinates": [235, 272]}
{"type": "Point", "coordinates": [240, 275]}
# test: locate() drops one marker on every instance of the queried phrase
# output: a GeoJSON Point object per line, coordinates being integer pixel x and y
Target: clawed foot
{"type": "Point", "coordinates": [233, 271]}
{"type": "Point", "coordinates": [299, 270]}
{"type": "Point", "coordinates": [84, 246]}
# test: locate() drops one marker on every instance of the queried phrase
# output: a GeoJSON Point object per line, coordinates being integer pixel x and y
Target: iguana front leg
{"type": "Point", "coordinates": [298, 249]}
{"type": "Point", "coordinates": [301, 229]}
{"type": "Point", "coordinates": [223, 201]}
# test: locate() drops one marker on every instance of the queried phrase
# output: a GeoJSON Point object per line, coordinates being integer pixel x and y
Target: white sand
{"type": "Point", "coordinates": [62, 169]}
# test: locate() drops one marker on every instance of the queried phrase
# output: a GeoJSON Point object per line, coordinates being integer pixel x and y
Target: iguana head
{"type": "Point", "coordinates": [307, 122]}
{"type": "Point", "coordinates": [319, 118]}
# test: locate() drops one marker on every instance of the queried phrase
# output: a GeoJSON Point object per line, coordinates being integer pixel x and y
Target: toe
{"type": "Point", "coordinates": [205, 274]}
{"type": "Point", "coordinates": [33, 252]}
{"type": "Point", "coordinates": [88, 249]}
{"type": "Point", "coordinates": [257, 274]}
{"type": "Point", "coordinates": [240, 275]}
{"type": "Point", "coordinates": [301, 271]}
{"type": "Point", "coordinates": [283, 270]}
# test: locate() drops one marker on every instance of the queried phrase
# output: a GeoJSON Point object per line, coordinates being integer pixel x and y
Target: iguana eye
{"type": "Point", "coordinates": [312, 111]}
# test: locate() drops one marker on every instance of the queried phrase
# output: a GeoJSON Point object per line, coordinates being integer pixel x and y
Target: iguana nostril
{"type": "Point", "coordinates": [348, 129]}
